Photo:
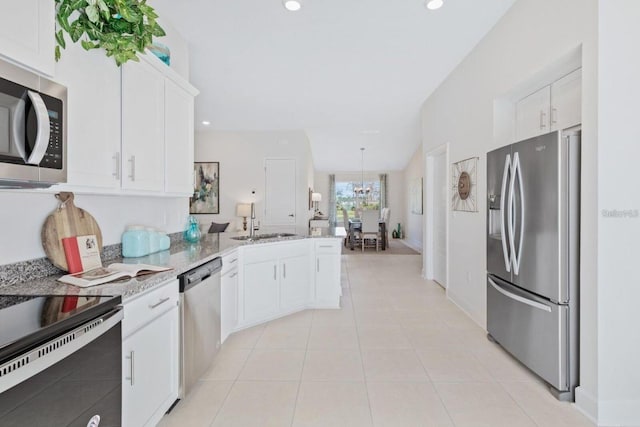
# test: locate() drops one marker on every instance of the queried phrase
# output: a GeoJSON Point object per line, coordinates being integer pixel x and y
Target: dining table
{"type": "Point", "coordinates": [355, 224]}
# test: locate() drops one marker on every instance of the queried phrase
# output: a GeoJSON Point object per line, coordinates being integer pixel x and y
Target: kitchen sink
{"type": "Point", "coordinates": [263, 236]}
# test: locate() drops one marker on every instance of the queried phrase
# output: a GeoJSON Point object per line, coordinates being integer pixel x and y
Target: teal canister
{"type": "Point", "coordinates": [135, 242]}
{"type": "Point", "coordinates": [154, 240]}
{"type": "Point", "coordinates": [192, 233]}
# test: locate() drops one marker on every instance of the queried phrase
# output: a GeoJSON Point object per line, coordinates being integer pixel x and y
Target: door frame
{"type": "Point", "coordinates": [427, 260]}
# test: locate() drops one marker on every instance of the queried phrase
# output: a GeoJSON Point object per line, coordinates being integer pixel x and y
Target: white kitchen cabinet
{"type": "Point", "coordinates": [178, 138]}
{"type": "Point", "coordinates": [533, 114]}
{"type": "Point", "coordinates": [554, 107]}
{"type": "Point", "coordinates": [294, 282]}
{"type": "Point", "coordinates": [143, 151]}
{"type": "Point", "coordinates": [93, 111]}
{"type": "Point", "coordinates": [327, 273]}
{"type": "Point", "coordinates": [228, 300]}
{"type": "Point", "coordinates": [150, 351]}
{"type": "Point", "coordinates": [27, 29]}
{"type": "Point", "coordinates": [566, 101]}
{"type": "Point", "coordinates": [260, 296]}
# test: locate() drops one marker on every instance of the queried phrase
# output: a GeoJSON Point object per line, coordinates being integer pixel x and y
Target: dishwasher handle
{"type": "Point", "coordinates": [199, 274]}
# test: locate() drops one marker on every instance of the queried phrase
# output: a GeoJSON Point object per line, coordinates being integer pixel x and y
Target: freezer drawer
{"type": "Point", "coordinates": [532, 329]}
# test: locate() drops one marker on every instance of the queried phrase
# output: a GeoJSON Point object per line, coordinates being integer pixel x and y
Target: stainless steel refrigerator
{"type": "Point", "coordinates": [533, 189]}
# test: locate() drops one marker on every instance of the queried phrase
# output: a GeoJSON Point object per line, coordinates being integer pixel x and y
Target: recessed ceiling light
{"type": "Point", "coordinates": [433, 4]}
{"type": "Point", "coordinates": [206, 122]}
{"type": "Point", "coordinates": [292, 5]}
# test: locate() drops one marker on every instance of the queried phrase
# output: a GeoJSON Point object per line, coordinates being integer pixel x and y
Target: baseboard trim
{"type": "Point", "coordinates": [410, 245]}
{"type": "Point", "coordinates": [464, 310]}
{"type": "Point", "coordinates": [587, 404]}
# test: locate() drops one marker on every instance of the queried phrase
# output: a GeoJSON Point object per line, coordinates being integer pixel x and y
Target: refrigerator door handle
{"type": "Point", "coordinates": [518, 298]}
{"type": "Point", "coordinates": [516, 173]}
{"type": "Point", "coordinates": [503, 236]}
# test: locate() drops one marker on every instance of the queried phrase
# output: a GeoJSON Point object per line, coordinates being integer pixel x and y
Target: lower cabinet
{"type": "Point", "coordinates": [228, 303]}
{"type": "Point", "coordinates": [327, 273]}
{"type": "Point", "coordinates": [280, 278]}
{"type": "Point", "coordinates": [150, 356]}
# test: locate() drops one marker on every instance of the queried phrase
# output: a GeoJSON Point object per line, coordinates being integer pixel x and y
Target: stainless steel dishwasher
{"type": "Point", "coordinates": [199, 321]}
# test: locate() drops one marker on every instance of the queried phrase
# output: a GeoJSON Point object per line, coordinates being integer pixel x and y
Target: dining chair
{"type": "Point", "coordinates": [345, 222]}
{"type": "Point", "coordinates": [370, 228]}
{"type": "Point", "coordinates": [386, 213]}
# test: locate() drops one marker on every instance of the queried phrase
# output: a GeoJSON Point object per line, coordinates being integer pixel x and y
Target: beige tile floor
{"type": "Point", "coordinates": [397, 354]}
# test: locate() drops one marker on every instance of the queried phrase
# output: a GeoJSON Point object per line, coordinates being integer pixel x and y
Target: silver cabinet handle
{"type": "Point", "coordinates": [116, 160]}
{"type": "Point", "coordinates": [274, 273]}
{"type": "Point", "coordinates": [505, 175]}
{"type": "Point", "coordinates": [44, 131]}
{"type": "Point", "coordinates": [554, 115]}
{"type": "Point", "coordinates": [132, 175]}
{"type": "Point", "coordinates": [131, 358]}
{"type": "Point", "coordinates": [284, 271]}
{"type": "Point", "coordinates": [162, 301]}
{"type": "Point", "coordinates": [325, 246]}
{"type": "Point", "coordinates": [233, 275]}
{"type": "Point", "coordinates": [318, 265]}
{"type": "Point", "coordinates": [233, 260]}
{"type": "Point", "coordinates": [542, 119]}
{"type": "Point", "coordinates": [291, 215]}
{"type": "Point", "coordinates": [518, 298]}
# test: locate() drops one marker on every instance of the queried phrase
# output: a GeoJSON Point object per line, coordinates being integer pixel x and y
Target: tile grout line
{"type": "Point", "coordinates": [304, 361]}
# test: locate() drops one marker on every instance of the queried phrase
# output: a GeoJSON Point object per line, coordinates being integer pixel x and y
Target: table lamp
{"type": "Point", "coordinates": [243, 210]}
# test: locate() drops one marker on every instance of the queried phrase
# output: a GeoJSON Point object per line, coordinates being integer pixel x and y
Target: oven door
{"type": "Point", "coordinates": [72, 380]}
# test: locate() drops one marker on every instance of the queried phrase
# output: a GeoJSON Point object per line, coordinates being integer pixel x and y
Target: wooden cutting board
{"type": "Point", "coordinates": [67, 220]}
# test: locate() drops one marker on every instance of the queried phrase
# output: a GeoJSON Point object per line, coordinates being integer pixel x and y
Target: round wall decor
{"type": "Point", "coordinates": [464, 185]}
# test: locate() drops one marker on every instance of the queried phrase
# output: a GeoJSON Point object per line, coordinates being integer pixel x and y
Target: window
{"type": "Point", "coordinates": [351, 196]}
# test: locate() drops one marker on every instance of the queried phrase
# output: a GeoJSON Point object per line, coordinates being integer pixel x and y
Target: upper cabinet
{"type": "Point", "coordinates": [93, 108]}
{"type": "Point", "coordinates": [27, 29]}
{"type": "Point", "coordinates": [142, 127]}
{"type": "Point", "coordinates": [554, 107]}
{"type": "Point", "coordinates": [178, 139]}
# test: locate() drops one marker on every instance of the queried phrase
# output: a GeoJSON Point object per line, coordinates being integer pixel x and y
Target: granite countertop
{"type": "Point", "coordinates": [182, 256]}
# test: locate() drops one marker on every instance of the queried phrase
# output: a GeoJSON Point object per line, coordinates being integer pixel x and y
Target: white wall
{"type": "Point", "coordinates": [395, 192]}
{"type": "Point", "coordinates": [618, 237]}
{"type": "Point", "coordinates": [532, 35]}
{"type": "Point", "coordinates": [23, 213]}
{"type": "Point", "coordinates": [413, 223]}
{"type": "Point", "coordinates": [241, 156]}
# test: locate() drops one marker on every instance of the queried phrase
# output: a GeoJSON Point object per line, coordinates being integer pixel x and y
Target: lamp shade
{"type": "Point", "coordinates": [316, 197]}
{"type": "Point", "coordinates": [243, 209]}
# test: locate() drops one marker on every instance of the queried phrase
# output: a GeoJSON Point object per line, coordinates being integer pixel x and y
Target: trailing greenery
{"type": "Point", "coordinates": [122, 28]}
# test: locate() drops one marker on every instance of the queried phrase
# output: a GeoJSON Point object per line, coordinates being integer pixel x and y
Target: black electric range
{"type": "Point", "coordinates": [60, 360]}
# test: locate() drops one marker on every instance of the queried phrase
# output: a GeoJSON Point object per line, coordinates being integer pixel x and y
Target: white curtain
{"type": "Point", "coordinates": [332, 200]}
{"type": "Point", "coordinates": [383, 190]}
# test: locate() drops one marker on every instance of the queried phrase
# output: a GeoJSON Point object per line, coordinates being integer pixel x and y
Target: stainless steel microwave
{"type": "Point", "coordinates": [33, 152]}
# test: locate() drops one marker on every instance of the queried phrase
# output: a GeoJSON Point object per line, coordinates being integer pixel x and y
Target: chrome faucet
{"type": "Point", "coordinates": [252, 230]}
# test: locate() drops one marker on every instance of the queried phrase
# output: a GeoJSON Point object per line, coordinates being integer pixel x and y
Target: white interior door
{"type": "Point", "coordinates": [439, 232]}
{"type": "Point", "coordinates": [280, 191]}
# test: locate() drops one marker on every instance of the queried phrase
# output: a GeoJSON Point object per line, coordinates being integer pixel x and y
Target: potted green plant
{"type": "Point", "coordinates": [123, 28]}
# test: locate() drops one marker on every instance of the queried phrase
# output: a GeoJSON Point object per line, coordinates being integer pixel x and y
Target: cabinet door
{"type": "Point", "coordinates": [150, 371]}
{"type": "Point", "coordinates": [566, 101]}
{"type": "Point", "coordinates": [533, 114]}
{"type": "Point", "coordinates": [93, 131]}
{"type": "Point", "coordinates": [280, 191]}
{"type": "Point", "coordinates": [229, 303]}
{"type": "Point", "coordinates": [142, 127]}
{"type": "Point", "coordinates": [327, 281]}
{"type": "Point", "coordinates": [27, 33]}
{"type": "Point", "coordinates": [294, 282]}
{"type": "Point", "coordinates": [178, 137]}
{"type": "Point", "coordinates": [260, 291]}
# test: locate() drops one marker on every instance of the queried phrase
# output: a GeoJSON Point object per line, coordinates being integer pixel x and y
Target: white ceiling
{"type": "Point", "coordinates": [351, 73]}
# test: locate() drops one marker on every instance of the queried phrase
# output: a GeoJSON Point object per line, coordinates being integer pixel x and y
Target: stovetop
{"type": "Point", "coordinates": [26, 321]}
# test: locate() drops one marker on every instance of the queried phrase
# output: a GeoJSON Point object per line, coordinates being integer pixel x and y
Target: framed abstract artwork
{"type": "Point", "coordinates": [206, 191]}
{"type": "Point", "coordinates": [464, 185]}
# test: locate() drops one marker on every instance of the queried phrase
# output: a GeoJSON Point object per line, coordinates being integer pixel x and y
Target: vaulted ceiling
{"type": "Point", "coordinates": [350, 73]}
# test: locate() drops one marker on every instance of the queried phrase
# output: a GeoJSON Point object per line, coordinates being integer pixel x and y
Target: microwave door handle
{"type": "Point", "coordinates": [17, 128]}
{"type": "Point", "coordinates": [43, 132]}
{"type": "Point", "coordinates": [503, 198]}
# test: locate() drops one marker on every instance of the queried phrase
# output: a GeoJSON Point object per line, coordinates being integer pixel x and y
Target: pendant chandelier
{"type": "Point", "coordinates": [361, 191]}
